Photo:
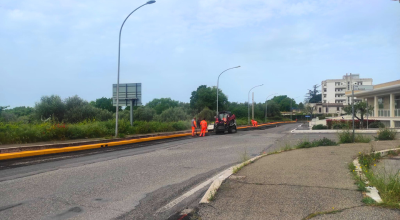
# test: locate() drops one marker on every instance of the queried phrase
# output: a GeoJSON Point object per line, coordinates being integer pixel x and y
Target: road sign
{"type": "Point", "coordinates": [363, 87]}
{"type": "Point", "coordinates": [128, 92]}
{"type": "Point", "coordinates": [307, 116]}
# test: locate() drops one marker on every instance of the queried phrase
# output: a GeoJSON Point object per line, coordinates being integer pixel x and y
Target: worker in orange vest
{"type": "Point", "coordinates": [252, 122]}
{"type": "Point", "coordinates": [194, 126]}
{"type": "Point", "coordinates": [203, 125]}
{"type": "Point", "coordinates": [255, 123]}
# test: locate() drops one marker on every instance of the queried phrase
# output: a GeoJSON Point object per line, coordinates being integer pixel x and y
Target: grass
{"type": "Point", "coordinates": [359, 138]}
{"type": "Point", "coordinates": [388, 184]}
{"type": "Point", "coordinates": [19, 133]}
{"type": "Point", "coordinates": [358, 181]}
{"type": "Point", "coordinates": [347, 137]}
{"type": "Point", "coordinates": [212, 196]}
{"type": "Point", "coordinates": [312, 215]}
{"type": "Point", "coordinates": [392, 153]}
{"type": "Point", "coordinates": [316, 143]}
{"type": "Point", "coordinates": [368, 200]}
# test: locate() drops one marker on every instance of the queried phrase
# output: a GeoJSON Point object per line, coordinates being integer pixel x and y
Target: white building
{"type": "Point", "coordinates": [385, 98]}
{"type": "Point", "coordinates": [333, 90]}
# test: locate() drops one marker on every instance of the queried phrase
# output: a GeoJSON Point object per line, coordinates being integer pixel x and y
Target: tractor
{"type": "Point", "coordinates": [225, 121]}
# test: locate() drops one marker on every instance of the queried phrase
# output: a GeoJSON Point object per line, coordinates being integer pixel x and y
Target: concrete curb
{"type": "Point", "coordinates": [328, 131]}
{"type": "Point", "coordinates": [223, 176]}
{"type": "Point", "coordinates": [373, 192]}
{"type": "Point", "coordinates": [30, 153]}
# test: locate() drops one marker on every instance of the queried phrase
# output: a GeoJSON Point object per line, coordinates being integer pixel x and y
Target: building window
{"type": "Point", "coordinates": [324, 90]}
{"type": "Point", "coordinates": [319, 110]}
{"type": "Point", "coordinates": [324, 95]}
{"type": "Point", "coordinates": [338, 108]}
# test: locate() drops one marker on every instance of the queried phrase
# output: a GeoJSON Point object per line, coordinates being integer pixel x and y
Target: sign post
{"type": "Point", "coordinates": [129, 94]}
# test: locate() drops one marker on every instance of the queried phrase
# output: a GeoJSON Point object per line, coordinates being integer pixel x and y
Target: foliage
{"type": "Point", "coordinates": [345, 136]}
{"type": "Point", "coordinates": [377, 124]}
{"type": "Point", "coordinates": [105, 103]}
{"type": "Point", "coordinates": [301, 106]}
{"type": "Point", "coordinates": [319, 127]}
{"type": "Point", "coordinates": [50, 106]}
{"type": "Point", "coordinates": [361, 108]}
{"type": "Point", "coordinates": [162, 104]}
{"type": "Point", "coordinates": [143, 114]}
{"type": "Point", "coordinates": [284, 102]}
{"type": "Point", "coordinates": [316, 143]}
{"type": "Point", "coordinates": [207, 97]}
{"type": "Point", "coordinates": [14, 133]}
{"type": "Point", "coordinates": [207, 114]}
{"type": "Point", "coordinates": [173, 114]}
{"type": "Point", "coordinates": [359, 138]}
{"type": "Point", "coordinates": [386, 134]}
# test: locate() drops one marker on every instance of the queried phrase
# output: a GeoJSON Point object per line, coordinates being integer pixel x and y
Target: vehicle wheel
{"type": "Point", "coordinates": [232, 129]}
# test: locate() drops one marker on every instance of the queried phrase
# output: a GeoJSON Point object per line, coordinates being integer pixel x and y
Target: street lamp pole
{"type": "Point", "coordinates": [218, 83]}
{"type": "Point", "coordinates": [266, 107]}
{"type": "Point", "coordinates": [119, 55]}
{"type": "Point", "coordinates": [248, 103]}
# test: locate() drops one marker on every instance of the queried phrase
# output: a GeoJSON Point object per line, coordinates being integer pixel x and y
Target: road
{"type": "Point", "coordinates": [131, 183]}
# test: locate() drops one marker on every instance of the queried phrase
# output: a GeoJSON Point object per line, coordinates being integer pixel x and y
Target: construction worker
{"type": "Point", "coordinates": [252, 122]}
{"type": "Point", "coordinates": [194, 126]}
{"type": "Point", "coordinates": [203, 125]}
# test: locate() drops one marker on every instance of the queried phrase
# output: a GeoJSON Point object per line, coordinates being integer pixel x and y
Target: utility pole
{"type": "Point", "coordinates": [252, 107]}
{"type": "Point", "coordinates": [352, 101]}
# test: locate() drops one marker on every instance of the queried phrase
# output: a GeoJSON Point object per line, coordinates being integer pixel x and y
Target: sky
{"type": "Point", "coordinates": [70, 47]}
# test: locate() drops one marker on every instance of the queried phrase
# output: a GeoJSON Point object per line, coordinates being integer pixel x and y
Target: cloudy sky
{"type": "Point", "coordinates": [70, 47]}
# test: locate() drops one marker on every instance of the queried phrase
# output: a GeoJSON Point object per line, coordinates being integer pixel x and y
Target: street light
{"type": "Point", "coordinates": [248, 103]}
{"type": "Point", "coordinates": [119, 55]}
{"type": "Point", "coordinates": [218, 83]}
{"type": "Point", "coordinates": [266, 106]}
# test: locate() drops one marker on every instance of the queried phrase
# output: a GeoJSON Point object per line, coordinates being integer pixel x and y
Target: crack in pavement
{"type": "Point", "coordinates": [285, 184]}
{"type": "Point", "coordinates": [315, 214]}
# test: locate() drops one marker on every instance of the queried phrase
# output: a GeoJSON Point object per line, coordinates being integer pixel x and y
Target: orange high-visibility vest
{"type": "Point", "coordinates": [203, 124]}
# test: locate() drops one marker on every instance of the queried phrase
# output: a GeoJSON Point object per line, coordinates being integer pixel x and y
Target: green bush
{"type": "Point", "coordinates": [386, 134]}
{"type": "Point", "coordinates": [17, 133]}
{"type": "Point", "coordinates": [207, 114]}
{"type": "Point", "coordinates": [345, 137]}
{"type": "Point", "coordinates": [376, 125]}
{"type": "Point", "coordinates": [319, 127]}
{"type": "Point", "coordinates": [316, 143]}
{"type": "Point", "coordinates": [359, 138]}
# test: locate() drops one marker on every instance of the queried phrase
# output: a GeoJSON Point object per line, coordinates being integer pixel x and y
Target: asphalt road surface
{"type": "Point", "coordinates": [132, 183]}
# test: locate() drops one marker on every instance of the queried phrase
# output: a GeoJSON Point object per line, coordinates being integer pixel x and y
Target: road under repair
{"type": "Point", "coordinates": [133, 183]}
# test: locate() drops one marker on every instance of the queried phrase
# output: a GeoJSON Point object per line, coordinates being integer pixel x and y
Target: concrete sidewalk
{"type": "Point", "coordinates": [297, 184]}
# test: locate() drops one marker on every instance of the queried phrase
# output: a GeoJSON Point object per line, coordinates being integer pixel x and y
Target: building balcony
{"type": "Point", "coordinates": [397, 113]}
{"type": "Point", "coordinates": [384, 113]}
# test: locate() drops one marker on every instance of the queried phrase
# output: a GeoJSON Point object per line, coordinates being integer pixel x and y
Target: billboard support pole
{"type": "Point", "coordinates": [132, 112]}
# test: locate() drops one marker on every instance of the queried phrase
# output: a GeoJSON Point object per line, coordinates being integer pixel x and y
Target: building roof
{"type": "Point", "coordinates": [380, 89]}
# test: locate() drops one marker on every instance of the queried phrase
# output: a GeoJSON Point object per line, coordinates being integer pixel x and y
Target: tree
{"type": "Point", "coordinates": [50, 106]}
{"type": "Point", "coordinates": [359, 108]}
{"type": "Point", "coordinates": [207, 97]}
{"type": "Point", "coordinates": [301, 106]}
{"type": "Point", "coordinates": [105, 103]}
{"type": "Point", "coordinates": [273, 109]}
{"type": "Point", "coordinates": [313, 96]}
{"type": "Point", "coordinates": [308, 109]}
{"type": "Point", "coordinates": [173, 114]}
{"type": "Point", "coordinates": [77, 110]}
{"type": "Point", "coordinates": [160, 105]}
